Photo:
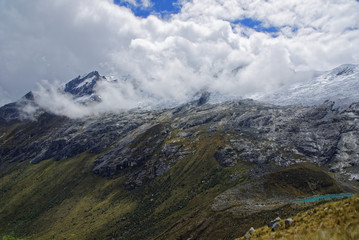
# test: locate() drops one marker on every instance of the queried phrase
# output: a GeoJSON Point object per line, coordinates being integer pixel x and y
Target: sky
{"type": "Point", "coordinates": [169, 50]}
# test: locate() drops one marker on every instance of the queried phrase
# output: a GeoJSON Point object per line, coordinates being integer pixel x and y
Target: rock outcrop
{"type": "Point", "coordinates": [142, 144]}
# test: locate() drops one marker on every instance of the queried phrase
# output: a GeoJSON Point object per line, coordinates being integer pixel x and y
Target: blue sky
{"type": "Point", "coordinates": [161, 8]}
{"type": "Point", "coordinates": [164, 8]}
{"type": "Point", "coordinates": [256, 25]}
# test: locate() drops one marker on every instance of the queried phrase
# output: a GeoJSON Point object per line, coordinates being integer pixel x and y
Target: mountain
{"type": "Point", "coordinates": [340, 85]}
{"type": "Point", "coordinates": [18, 110]}
{"type": "Point", "coordinates": [197, 170]}
{"type": "Point", "coordinates": [83, 87]}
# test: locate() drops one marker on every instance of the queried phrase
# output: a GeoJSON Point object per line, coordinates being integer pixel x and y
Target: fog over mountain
{"type": "Point", "coordinates": [208, 45]}
{"type": "Point", "coordinates": [339, 85]}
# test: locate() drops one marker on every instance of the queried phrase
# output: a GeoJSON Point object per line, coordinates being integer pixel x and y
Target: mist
{"type": "Point", "coordinates": [167, 61]}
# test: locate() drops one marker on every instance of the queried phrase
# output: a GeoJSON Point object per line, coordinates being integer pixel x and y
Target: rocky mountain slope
{"type": "Point", "coordinates": [199, 170]}
{"type": "Point", "coordinates": [255, 132]}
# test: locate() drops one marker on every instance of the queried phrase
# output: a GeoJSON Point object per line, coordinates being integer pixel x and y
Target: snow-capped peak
{"type": "Point", "coordinates": [340, 85]}
{"type": "Point", "coordinates": [83, 85]}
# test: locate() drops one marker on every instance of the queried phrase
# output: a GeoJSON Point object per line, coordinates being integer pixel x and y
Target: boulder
{"type": "Point", "coordinates": [273, 222]}
{"type": "Point", "coordinates": [276, 226]}
{"type": "Point", "coordinates": [288, 222]}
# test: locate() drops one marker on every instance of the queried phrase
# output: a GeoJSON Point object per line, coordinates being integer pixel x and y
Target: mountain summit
{"type": "Point", "coordinates": [83, 88]}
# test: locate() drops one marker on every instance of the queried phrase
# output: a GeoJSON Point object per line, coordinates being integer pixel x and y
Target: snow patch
{"type": "Point", "coordinates": [340, 85]}
{"type": "Point", "coordinates": [87, 81]}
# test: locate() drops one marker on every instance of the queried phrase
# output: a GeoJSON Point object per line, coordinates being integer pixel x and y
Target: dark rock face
{"type": "Point", "coordinates": [82, 86]}
{"type": "Point", "coordinates": [141, 145]}
{"type": "Point", "coordinates": [226, 156]}
{"type": "Point", "coordinates": [203, 99]}
{"type": "Point", "coordinates": [29, 96]}
{"type": "Point", "coordinates": [10, 112]}
{"type": "Point", "coordinates": [141, 157]}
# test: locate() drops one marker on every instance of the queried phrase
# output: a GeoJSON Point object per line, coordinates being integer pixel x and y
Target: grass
{"type": "Point", "coordinates": [58, 199]}
{"type": "Point", "coordinates": [337, 220]}
{"type": "Point", "coordinates": [64, 199]}
{"type": "Point", "coordinates": [10, 237]}
{"type": "Point", "coordinates": [302, 179]}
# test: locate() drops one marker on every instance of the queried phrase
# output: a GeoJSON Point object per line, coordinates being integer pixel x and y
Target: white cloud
{"type": "Point", "coordinates": [146, 3]}
{"type": "Point", "coordinates": [132, 2]}
{"type": "Point", "coordinates": [138, 3]}
{"type": "Point", "coordinates": [50, 98]}
{"type": "Point", "coordinates": [171, 59]}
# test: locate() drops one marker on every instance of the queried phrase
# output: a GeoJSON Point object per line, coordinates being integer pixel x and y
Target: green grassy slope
{"type": "Point", "coordinates": [64, 199]}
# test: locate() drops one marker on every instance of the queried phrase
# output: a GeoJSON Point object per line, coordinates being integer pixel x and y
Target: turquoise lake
{"type": "Point", "coordinates": [324, 197]}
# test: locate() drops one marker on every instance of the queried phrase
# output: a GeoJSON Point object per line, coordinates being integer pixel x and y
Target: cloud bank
{"type": "Point", "coordinates": [204, 46]}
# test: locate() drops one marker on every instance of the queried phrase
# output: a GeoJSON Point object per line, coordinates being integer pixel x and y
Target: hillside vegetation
{"type": "Point", "coordinates": [336, 220]}
{"type": "Point", "coordinates": [64, 199]}
{"type": "Point", "coordinates": [56, 200]}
